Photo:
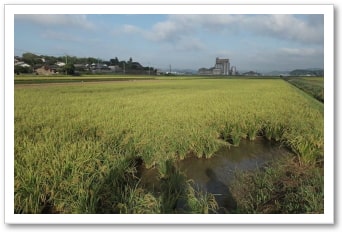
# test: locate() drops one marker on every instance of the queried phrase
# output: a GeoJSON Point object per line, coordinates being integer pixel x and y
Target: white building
{"type": "Point", "coordinates": [222, 67]}
{"type": "Point", "coordinates": [60, 64]}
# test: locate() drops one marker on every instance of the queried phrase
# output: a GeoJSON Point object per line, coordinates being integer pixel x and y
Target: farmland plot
{"type": "Point", "coordinates": [77, 148]}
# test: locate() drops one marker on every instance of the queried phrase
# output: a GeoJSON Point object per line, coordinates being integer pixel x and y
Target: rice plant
{"type": "Point", "coordinates": [76, 145]}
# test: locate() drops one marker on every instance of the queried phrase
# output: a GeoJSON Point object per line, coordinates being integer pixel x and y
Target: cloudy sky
{"type": "Point", "coordinates": [260, 43]}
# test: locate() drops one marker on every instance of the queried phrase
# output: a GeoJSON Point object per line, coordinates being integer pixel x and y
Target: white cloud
{"type": "Point", "coordinates": [80, 21]}
{"type": "Point", "coordinates": [308, 29]}
{"type": "Point", "coordinates": [131, 29]}
{"type": "Point", "coordinates": [300, 51]}
{"type": "Point", "coordinates": [177, 28]}
{"type": "Point", "coordinates": [285, 27]}
{"type": "Point", "coordinates": [206, 21]}
{"type": "Point", "coordinates": [54, 35]}
{"type": "Point", "coordinates": [190, 44]}
{"type": "Point", "coordinates": [169, 31]}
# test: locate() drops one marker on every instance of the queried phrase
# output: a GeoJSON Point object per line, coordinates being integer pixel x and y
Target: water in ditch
{"type": "Point", "coordinates": [214, 175]}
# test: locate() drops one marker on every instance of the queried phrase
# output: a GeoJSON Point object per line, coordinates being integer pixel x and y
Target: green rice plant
{"type": "Point", "coordinates": [235, 136]}
{"type": "Point", "coordinates": [136, 201]}
{"type": "Point", "coordinates": [30, 198]}
{"type": "Point", "coordinates": [199, 202]}
{"type": "Point", "coordinates": [253, 128]}
{"type": "Point", "coordinates": [306, 152]}
{"type": "Point", "coordinates": [206, 145]}
{"type": "Point", "coordinates": [226, 131]}
{"type": "Point", "coordinates": [274, 132]}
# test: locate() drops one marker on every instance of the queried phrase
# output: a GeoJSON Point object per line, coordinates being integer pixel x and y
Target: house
{"type": "Point", "coordinates": [60, 64]}
{"type": "Point", "coordinates": [115, 68]}
{"type": "Point", "coordinates": [46, 70]}
{"type": "Point", "coordinates": [21, 64]}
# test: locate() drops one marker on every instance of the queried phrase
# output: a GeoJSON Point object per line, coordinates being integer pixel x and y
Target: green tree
{"type": "Point", "coordinates": [129, 63]}
{"type": "Point", "coordinates": [19, 69]}
{"type": "Point", "coordinates": [50, 60]}
{"type": "Point", "coordinates": [69, 69]}
{"type": "Point", "coordinates": [31, 59]}
{"type": "Point", "coordinates": [122, 64]}
{"type": "Point", "coordinates": [114, 61]}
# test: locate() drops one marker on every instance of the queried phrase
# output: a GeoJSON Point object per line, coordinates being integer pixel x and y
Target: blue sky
{"type": "Point", "coordinates": [260, 43]}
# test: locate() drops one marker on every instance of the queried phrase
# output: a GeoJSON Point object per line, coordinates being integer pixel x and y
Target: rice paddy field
{"type": "Point", "coordinates": [78, 148]}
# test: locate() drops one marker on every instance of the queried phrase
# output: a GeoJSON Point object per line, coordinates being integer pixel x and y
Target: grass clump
{"type": "Point", "coordinates": [283, 187]}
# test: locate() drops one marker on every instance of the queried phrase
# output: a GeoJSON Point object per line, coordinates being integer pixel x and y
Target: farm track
{"type": "Point", "coordinates": [73, 83]}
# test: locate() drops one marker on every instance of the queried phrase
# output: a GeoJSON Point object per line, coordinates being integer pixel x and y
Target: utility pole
{"type": "Point", "coordinates": [66, 62]}
{"type": "Point", "coordinates": [124, 71]}
{"type": "Point", "coordinates": [149, 73]}
{"type": "Point", "coordinates": [170, 68]}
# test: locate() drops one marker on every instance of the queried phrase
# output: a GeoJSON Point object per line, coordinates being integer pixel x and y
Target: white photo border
{"type": "Point", "coordinates": [326, 218]}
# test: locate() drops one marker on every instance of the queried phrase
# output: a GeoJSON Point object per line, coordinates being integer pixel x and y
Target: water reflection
{"type": "Point", "coordinates": [220, 191]}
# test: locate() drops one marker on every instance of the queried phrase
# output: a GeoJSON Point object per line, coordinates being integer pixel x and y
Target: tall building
{"type": "Point", "coordinates": [222, 67]}
{"type": "Point", "coordinates": [233, 70]}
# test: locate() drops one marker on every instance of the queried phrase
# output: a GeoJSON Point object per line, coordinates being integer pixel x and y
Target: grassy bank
{"type": "Point", "coordinates": [283, 187]}
{"type": "Point", "coordinates": [77, 147]}
{"type": "Point", "coordinates": [311, 85]}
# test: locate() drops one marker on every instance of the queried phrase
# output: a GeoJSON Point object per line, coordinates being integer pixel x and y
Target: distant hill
{"type": "Point", "coordinates": [181, 71]}
{"type": "Point", "coordinates": [277, 73]}
{"type": "Point", "coordinates": [307, 72]}
{"type": "Point", "coordinates": [251, 73]}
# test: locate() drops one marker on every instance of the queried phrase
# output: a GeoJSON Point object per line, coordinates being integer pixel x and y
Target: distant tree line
{"type": "Point", "coordinates": [75, 64]}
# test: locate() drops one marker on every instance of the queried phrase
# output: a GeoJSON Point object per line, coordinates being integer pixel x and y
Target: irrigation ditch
{"type": "Point", "coordinates": [215, 175]}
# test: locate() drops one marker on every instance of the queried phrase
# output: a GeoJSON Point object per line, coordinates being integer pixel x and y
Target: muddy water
{"type": "Point", "coordinates": [214, 175]}
{"type": "Point", "coordinates": [222, 166]}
